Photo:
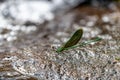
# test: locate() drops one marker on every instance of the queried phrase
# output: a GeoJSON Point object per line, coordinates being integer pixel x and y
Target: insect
{"type": "Point", "coordinates": [71, 43]}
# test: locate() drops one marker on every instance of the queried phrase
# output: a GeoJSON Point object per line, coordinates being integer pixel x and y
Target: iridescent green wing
{"type": "Point", "coordinates": [72, 41]}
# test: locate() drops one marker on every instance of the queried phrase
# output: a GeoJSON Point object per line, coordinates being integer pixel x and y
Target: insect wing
{"type": "Point", "coordinates": [74, 39]}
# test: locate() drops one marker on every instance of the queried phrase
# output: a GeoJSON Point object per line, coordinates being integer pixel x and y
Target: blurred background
{"type": "Point", "coordinates": [19, 17]}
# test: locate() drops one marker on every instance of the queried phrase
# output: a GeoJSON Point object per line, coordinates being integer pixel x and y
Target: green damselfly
{"type": "Point", "coordinates": [71, 43]}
